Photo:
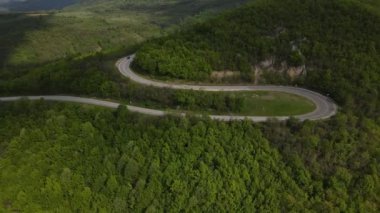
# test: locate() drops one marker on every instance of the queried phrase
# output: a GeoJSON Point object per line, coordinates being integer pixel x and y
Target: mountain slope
{"type": "Point", "coordinates": [93, 26]}
{"type": "Point", "coordinates": [337, 41]}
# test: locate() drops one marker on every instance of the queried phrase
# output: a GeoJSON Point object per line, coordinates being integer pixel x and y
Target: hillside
{"type": "Point", "coordinates": [92, 26]}
{"type": "Point", "coordinates": [335, 44]}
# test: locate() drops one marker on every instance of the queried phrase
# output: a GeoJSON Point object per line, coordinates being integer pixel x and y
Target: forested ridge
{"type": "Point", "coordinates": [60, 157]}
{"type": "Point", "coordinates": [338, 42]}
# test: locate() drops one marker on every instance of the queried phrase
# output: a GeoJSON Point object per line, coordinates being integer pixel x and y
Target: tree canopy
{"type": "Point", "coordinates": [62, 157]}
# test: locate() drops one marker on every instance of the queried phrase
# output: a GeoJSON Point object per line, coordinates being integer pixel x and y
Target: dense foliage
{"type": "Point", "coordinates": [337, 40]}
{"type": "Point", "coordinates": [69, 158]}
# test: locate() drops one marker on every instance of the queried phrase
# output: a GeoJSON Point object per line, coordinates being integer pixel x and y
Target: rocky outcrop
{"type": "Point", "coordinates": [270, 65]}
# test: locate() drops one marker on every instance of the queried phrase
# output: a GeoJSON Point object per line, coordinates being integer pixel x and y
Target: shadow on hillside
{"type": "Point", "coordinates": [14, 28]}
{"type": "Point", "coordinates": [176, 12]}
{"type": "Point", "coordinates": [191, 7]}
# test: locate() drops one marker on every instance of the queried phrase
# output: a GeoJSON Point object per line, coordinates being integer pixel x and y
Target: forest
{"type": "Point", "coordinates": [337, 41]}
{"type": "Point", "coordinates": [63, 157]}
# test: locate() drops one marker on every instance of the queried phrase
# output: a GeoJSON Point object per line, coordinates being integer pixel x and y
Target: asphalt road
{"type": "Point", "coordinates": [325, 107]}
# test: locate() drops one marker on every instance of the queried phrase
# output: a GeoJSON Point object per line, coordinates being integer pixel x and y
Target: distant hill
{"type": "Point", "coordinates": [35, 5]}
{"type": "Point", "coordinates": [38, 5]}
{"type": "Point", "coordinates": [90, 26]}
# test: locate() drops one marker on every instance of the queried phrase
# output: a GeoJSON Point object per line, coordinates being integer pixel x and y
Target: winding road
{"type": "Point", "coordinates": [325, 107]}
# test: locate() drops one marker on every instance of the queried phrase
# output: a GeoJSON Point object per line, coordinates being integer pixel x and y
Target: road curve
{"type": "Point", "coordinates": [325, 107]}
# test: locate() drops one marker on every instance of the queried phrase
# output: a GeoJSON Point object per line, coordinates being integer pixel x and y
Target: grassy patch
{"type": "Point", "coordinates": [275, 104]}
{"type": "Point", "coordinates": [260, 103]}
